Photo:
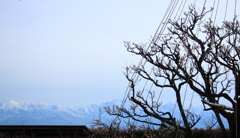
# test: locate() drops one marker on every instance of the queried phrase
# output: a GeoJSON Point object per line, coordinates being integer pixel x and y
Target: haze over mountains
{"type": "Point", "coordinates": [27, 113]}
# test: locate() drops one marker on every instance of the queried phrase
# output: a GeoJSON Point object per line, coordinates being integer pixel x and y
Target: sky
{"type": "Point", "coordinates": [71, 52]}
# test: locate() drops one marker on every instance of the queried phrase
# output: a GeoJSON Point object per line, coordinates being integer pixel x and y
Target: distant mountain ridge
{"type": "Point", "coordinates": [27, 113]}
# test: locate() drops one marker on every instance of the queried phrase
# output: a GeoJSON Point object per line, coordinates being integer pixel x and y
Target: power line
{"type": "Point", "coordinates": [226, 10]}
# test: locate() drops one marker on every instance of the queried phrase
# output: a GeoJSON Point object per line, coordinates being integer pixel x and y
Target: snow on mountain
{"type": "Point", "coordinates": [25, 112]}
{"type": "Point", "coordinates": [18, 113]}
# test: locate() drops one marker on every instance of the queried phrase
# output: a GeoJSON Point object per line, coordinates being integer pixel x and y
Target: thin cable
{"type": "Point", "coordinates": [161, 91]}
{"type": "Point", "coordinates": [174, 108]}
{"type": "Point", "coordinates": [236, 104]}
{"type": "Point", "coordinates": [155, 40]}
{"type": "Point", "coordinates": [187, 81]}
{"type": "Point", "coordinates": [197, 32]}
{"type": "Point", "coordinates": [186, 19]}
{"type": "Point", "coordinates": [140, 63]}
{"type": "Point", "coordinates": [216, 13]}
{"type": "Point", "coordinates": [185, 93]}
{"type": "Point", "coordinates": [165, 18]}
{"type": "Point", "coordinates": [173, 5]}
{"type": "Point", "coordinates": [235, 13]}
{"type": "Point", "coordinates": [168, 17]}
{"type": "Point", "coordinates": [178, 9]}
{"type": "Point", "coordinates": [204, 5]}
{"type": "Point", "coordinates": [213, 9]}
{"type": "Point", "coordinates": [182, 9]}
{"type": "Point", "coordinates": [226, 10]}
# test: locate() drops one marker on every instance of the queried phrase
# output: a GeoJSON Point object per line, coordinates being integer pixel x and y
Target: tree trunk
{"type": "Point", "coordinates": [234, 124]}
{"type": "Point", "coordinates": [188, 131]}
{"type": "Point", "coordinates": [221, 124]}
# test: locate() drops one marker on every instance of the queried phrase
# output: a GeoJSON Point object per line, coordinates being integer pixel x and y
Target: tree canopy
{"type": "Point", "coordinates": [199, 54]}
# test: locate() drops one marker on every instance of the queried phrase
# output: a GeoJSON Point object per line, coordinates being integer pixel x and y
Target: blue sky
{"type": "Point", "coordinates": [70, 52]}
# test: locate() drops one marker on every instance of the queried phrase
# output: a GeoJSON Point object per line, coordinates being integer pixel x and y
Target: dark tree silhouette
{"type": "Point", "coordinates": [208, 63]}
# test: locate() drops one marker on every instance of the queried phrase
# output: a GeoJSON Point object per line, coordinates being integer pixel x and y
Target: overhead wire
{"type": "Point", "coordinates": [161, 31]}
{"type": "Point", "coordinates": [184, 97]}
{"type": "Point", "coordinates": [213, 9]}
{"type": "Point", "coordinates": [162, 22]}
{"type": "Point", "coordinates": [171, 12]}
{"type": "Point", "coordinates": [216, 13]}
{"type": "Point", "coordinates": [236, 94]}
{"type": "Point", "coordinates": [163, 28]}
{"type": "Point", "coordinates": [197, 32]}
{"type": "Point", "coordinates": [178, 9]}
{"type": "Point", "coordinates": [136, 76]}
{"type": "Point", "coordinates": [178, 19]}
{"type": "Point", "coordinates": [171, 8]}
{"type": "Point", "coordinates": [154, 40]}
{"type": "Point", "coordinates": [182, 9]}
{"type": "Point", "coordinates": [235, 8]}
{"type": "Point", "coordinates": [226, 10]}
{"type": "Point", "coordinates": [169, 15]}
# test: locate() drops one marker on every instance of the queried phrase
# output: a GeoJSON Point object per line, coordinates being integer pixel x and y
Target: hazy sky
{"type": "Point", "coordinates": [70, 52]}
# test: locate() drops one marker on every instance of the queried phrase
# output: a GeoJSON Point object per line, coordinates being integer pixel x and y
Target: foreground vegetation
{"type": "Point", "coordinates": [117, 129]}
{"type": "Point", "coordinates": [103, 132]}
{"type": "Point", "coordinates": [114, 131]}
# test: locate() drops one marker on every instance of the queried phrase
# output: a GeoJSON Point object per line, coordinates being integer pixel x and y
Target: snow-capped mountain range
{"type": "Point", "coordinates": [27, 113]}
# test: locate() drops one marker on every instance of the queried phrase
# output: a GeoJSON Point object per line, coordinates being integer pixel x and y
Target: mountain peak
{"type": "Point", "coordinates": [15, 113]}
{"type": "Point", "coordinates": [10, 104]}
{"type": "Point", "coordinates": [14, 102]}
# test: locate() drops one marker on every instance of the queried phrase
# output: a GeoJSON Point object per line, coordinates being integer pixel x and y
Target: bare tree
{"type": "Point", "coordinates": [208, 63]}
{"type": "Point", "coordinates": [110, 130]}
